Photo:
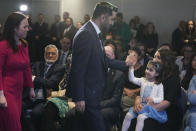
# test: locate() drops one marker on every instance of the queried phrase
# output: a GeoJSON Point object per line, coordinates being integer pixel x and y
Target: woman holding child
{"type": "Point", "coordinates": [171, 89]}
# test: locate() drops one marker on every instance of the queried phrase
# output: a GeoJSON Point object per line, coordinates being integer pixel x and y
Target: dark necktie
{"type": "Point", "coordinates": [62, 61]}
{"type": "Point", "coordinates": [101, 39]}
{"type": "Point", "coordinates": [102, 47]}
{"type": "Point", "coordinates": [46, 69]}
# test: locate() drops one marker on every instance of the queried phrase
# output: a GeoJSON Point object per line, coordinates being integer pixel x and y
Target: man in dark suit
{"type": "Point", "coordinates": [63, 23]}
{"type": "Point", "coordinates": [46, 78]}
{"type": "Point", "coordinates": [40, 31]}
{"type": "Point", "coordinates": [55, 31]}
{"type": "Point", "coordinates": [47, 75]}
{"type": "Point", "coordinates": [90, 65]}
{"type": "Point", "coordinates": [65, 53]}
{"type": "Point", "coordinates": [70, 28]}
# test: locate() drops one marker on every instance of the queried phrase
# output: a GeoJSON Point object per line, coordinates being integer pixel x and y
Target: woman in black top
{"type": "Point", "coordinates": [190, 36]}
{"type": "Point", "coordinates": [189, 73]}
{"type": "Point", "coordinates": [171, 92]}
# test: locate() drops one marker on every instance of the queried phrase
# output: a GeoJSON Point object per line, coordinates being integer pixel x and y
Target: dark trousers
{"type": "Point", "coordinates": [93, 119]}
{"type": "Point", "coordinates": [50, 117]}
{"type": "Point", "coordinates": [90, 120]}
{"type": "Point", "coordinates": [73, 121]}
{"type": "Point", "coordinates": [110, 116]}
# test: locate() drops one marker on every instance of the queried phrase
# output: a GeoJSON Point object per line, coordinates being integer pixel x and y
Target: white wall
{"type": "Point", "coordinates": [165, 14]}
{"type": "Point", "coordinates": [78, 8]}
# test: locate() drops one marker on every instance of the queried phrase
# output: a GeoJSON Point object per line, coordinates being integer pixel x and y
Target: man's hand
{"type": "Point", "coordinates": [131, 60]}
{"type": "Point", "coordinates": [80, 106]}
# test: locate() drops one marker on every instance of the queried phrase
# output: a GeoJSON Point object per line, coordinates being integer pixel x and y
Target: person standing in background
{"type": "Point", "coordinates": [55, 34]}
{"type": "Point", "coordinates": [121, 30]}
{"type": "Point", "coordinates": [40, 31]}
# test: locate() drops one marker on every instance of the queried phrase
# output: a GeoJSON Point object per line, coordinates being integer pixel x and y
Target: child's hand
{"type": "Point", "coordinates": [137, 108]}
{"type": "Point", "coordinates": [149, 100]}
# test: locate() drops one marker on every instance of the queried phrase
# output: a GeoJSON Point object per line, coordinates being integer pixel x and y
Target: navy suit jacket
{"type": "Point", "coordinates": [52, 78]}
{"type": "Point", "coordinates": [89, 67]}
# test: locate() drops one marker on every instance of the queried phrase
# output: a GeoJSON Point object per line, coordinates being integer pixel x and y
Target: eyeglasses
{"type": "Point", "coordinates": [51, 53]}
{"type": "Point", "coordinates": [109, 5]}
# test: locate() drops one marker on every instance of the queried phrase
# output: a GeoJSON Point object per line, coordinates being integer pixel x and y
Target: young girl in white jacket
{"type": "Point", "coordinates": [151, 92]}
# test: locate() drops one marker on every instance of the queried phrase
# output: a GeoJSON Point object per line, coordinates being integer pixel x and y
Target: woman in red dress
{"type": "Point", "coordinates": [15, 72]}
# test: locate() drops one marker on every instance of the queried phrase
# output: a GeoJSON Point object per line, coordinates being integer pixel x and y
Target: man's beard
{"type": "Point", "coordinates": [105, 26]}
{"type": "Point", "coordinates": [50, 61]}
{"type": "Point", "coordinates": [104, 29]}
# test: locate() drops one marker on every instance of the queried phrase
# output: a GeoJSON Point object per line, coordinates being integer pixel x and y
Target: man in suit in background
{"type": "Point", "coordinates": [55, 34]}
{"type": "Point", "coordinates": [63, 23]}
{"type": "Point", "coordinates": [65, 53]}
{"type": "Point", "coordinates": [70, 28]}
{"type": "Point", "coordinates": [90, 66]}
{"type": "Point", "coordinates": [40, 33]}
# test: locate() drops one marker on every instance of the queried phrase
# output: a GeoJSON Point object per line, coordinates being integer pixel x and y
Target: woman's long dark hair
{"type": "Point", "coordinates": [146, 28]}
{"type": "Point", "coordinates": [187, 27]}
{"type": "Point", "coordinates": [189, 74]}
{"type": "Point", "coordinates": [13, 21]}
{"type": "Point", "coordinates": [168, 59]}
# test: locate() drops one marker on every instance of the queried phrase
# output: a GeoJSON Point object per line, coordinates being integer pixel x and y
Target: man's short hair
{"type": "Point", "coordinates": [108, 42]}
{"type": "Point", "coordinates": [104, 8]}
{"type": "Point", "coordinates": [166, 44]}
{"type": "Point", "coordinates": [51, 46]}
{"type": "Point", "coordinates": [137, 50]}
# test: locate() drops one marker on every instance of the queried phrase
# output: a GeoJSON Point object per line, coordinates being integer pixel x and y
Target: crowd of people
{"type": "Point", "coordinates": [100, 75]}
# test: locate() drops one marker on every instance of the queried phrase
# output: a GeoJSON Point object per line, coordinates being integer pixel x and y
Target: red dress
{"type": "Point", "coordinates": [15, 73]}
